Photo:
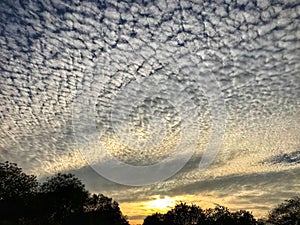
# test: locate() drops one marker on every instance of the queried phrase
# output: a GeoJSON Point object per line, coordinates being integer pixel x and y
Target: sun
{"type": "Point", "coordinates": [161, 203]}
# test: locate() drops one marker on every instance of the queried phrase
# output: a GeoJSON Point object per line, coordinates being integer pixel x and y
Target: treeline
{"type": "Point", "coordinates": [60, 200]}
{"type": "Point", "coordinates": [63, 200]}
{"type": "Point", "coordinates": [287, 213]}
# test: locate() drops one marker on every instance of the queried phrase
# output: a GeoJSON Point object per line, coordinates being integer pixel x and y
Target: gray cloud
{"type": "Point", "coordinates": [293, 157]}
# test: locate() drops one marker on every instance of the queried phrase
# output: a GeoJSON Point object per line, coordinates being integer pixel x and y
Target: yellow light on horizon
{"type": "Point", "coordinates": [161, 203]}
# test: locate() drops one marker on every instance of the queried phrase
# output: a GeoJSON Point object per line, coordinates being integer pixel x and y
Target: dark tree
{"type": "Point", "coordinates": [219, 215]}
{"type": "Point", "coordinates": [183, 214]}
{"type": "Point", "coordinates": [102, 210]}
{"type": "Point", "coordinates": [261, 222]}
{"type": "Point", "coordinates": [15, 184]}
{"type": "Point", "coordinates": [61, 200]}
{"type": "Point", "coordinates": [286, 213]}
{"type": "Point", "coordinates": [63, 197]}
{"type": "Point", "coordinates": [244, 217]}
{"type": "Point", "coordinates": [155, 219]}
{"type": "Point", "coordinates": [17, 189]}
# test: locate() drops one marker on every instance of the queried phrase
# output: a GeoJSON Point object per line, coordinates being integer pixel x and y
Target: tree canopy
{"type": "Point", "coordinates": [60, 200]}
{"type": "Point", "coordinates": [16, 191]}
{"type": "Point", "coordinates": [286, 213]}
{"type": "Point", "coordinates": [14, 183]}
{"type": "Point", "coordinates": [183, 214]}
{"type": "Point", "coordinates": [103, 210]}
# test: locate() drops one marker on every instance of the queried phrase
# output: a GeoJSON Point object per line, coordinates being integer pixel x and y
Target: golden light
{"type": "Point", "coordinates": [161, 203]}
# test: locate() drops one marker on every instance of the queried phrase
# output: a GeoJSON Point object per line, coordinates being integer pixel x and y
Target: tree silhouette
{"type": "Point", "coordinates": [61, 200]}
{"type": "Point", "coordinates": [103, 210]}
{"type": "Point", "coordinates": [154, 219]}
{"type": "Point", "coordinates": [63, 197]}
{"type": "Point", "coordinates": [244, 217]}
{"type": "Point", "coordinates": [183, 214]}
{"type": "Point", "coordinates": [286, 213]}
{"type": "Point", "coordinates": [219, 215]}
{"type": "Point", "coordinates": [14, 183]}
{"type": "Point", "coordinates": [16, 191]}
{"type": "Point", "coordinates": [261, 221]}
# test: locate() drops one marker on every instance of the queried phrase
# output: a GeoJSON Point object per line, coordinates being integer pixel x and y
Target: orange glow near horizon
{"type": "Point", "coordinates": [138, 211]}
{"type": "Point", "coordinates": [158, 204]}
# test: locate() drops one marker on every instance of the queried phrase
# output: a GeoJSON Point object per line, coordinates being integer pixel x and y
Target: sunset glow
{"type": "Point", "coordinates": [161, 204]}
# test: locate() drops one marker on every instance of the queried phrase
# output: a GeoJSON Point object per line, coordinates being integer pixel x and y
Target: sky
{"type": "Point", "coordinates": [155, 102]}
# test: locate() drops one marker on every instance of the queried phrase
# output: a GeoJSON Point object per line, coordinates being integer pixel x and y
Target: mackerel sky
{"type": "Point", "coordinates": [143, 77]}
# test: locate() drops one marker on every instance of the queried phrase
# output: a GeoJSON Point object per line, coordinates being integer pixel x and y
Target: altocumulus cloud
{"type": "Point", "coordinates": [55, 52]}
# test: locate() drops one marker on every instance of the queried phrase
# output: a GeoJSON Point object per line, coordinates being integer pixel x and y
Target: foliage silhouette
{"type": "Point", "coordinates": [103, 210]}
{"type": "Point", "coordinates": [17, 189]}
{"type": "Point", "coordinates": [155, 219]}
{"type": "Point", "coordinates": [219, 215]}
{"type": "Point", "coordinates": [183, 214]}
{"type": "Point", "coordinates": [222, 216]}
{"type": "Point", "coordinates": [286, 213]}
{"type": "Point", "coordinates": [61, 200]}
{"type": "Point", "coordinates": [244, 217]}
{"type": "Point", "coordinates": [65, 196]}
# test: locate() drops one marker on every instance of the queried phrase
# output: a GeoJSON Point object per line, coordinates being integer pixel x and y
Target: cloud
{"type": "Point", "coordinates": [292, 157]}
{"type": "Point", "coordinates": [65, 64]}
